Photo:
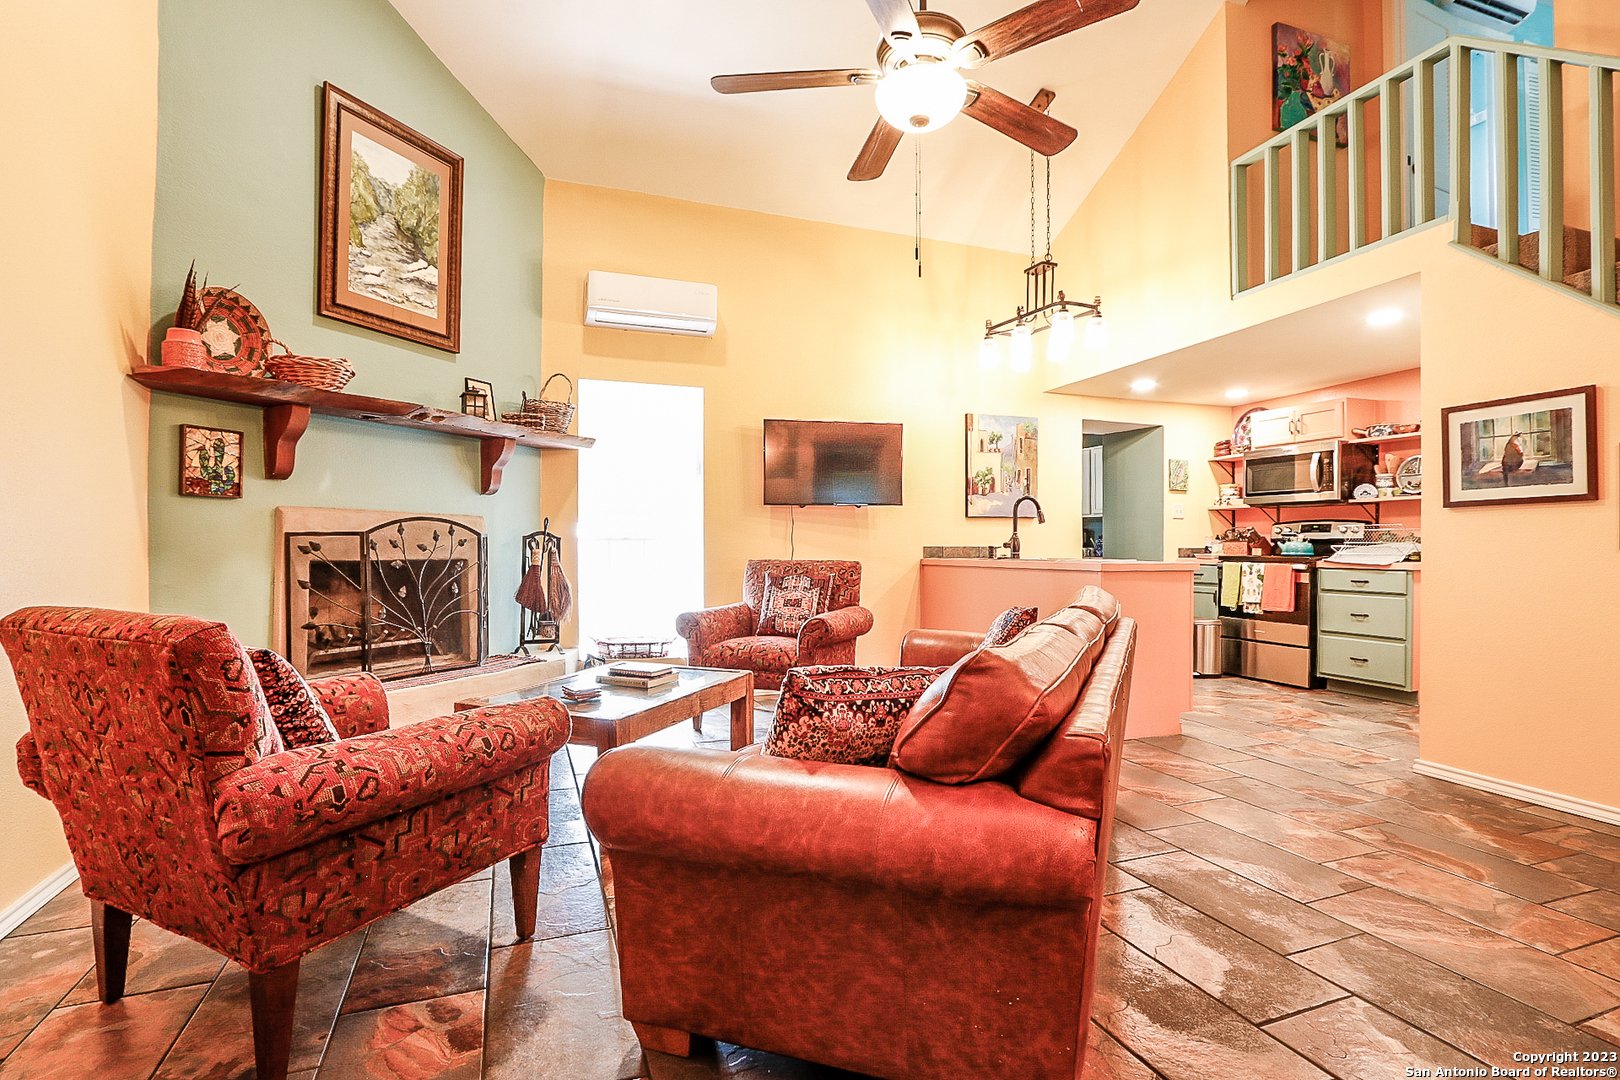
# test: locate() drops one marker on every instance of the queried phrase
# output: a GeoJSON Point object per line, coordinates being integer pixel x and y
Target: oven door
{"type": "Point", "coordinates": [1292, 474]}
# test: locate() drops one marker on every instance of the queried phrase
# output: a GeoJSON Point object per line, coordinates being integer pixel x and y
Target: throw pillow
{"type": "Point", "coordinates": [844, 714]}
{"type": "Point", "coordinates": [791, 600]}
{"type": "Point", "coordinates": [994, 706]}
{"type": "Point", "coordinates": [1008, 625]}
{"type": "Point", "coordinates": [293, 705]}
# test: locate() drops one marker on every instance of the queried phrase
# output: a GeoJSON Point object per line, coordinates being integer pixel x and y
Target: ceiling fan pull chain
{"type": "Point", "coordinates": [916, 141]}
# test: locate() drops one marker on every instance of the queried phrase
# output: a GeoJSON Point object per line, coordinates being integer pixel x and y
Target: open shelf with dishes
{"type": "Point", "coordinates": [287, 408]}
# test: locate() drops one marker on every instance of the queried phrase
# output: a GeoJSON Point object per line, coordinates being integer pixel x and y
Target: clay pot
{"type": "Point", "coordinates": [184, 348]}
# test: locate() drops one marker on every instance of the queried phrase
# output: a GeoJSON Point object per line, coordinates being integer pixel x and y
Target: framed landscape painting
{"type": "Point", "coordinates": [390, 229]}
{"type": "Point", "coordinates": [1001, 463]}
{"type": "Point", "coordinates": [1537, 448]}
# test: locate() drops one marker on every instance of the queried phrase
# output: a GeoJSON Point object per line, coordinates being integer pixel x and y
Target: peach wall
{"type": "Point", "coordinates": [822, 321]}
{"type": "Point", "coordinates": [80, 92]}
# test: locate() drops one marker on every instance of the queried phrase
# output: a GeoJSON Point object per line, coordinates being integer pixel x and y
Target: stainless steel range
{"type": "Point", "coordinates": [1277, 642]}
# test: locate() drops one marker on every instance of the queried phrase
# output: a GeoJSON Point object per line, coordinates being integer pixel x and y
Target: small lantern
{"type": "Point", "coordinates": [475, 403]}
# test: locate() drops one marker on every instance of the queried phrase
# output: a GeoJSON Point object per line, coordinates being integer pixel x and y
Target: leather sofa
{"type": "Point", "coordinates": [866, 917]}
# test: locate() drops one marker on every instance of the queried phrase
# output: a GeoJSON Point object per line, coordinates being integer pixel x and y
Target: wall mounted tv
{"type": "Point", "coordinates": [827, 463]}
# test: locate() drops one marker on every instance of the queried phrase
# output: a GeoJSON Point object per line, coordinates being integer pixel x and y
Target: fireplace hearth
{"type": "Point", "coordinates": [405, 597]}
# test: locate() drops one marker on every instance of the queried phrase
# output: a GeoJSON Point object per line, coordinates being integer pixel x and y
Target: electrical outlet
{"type": "Point", "coordinates": [1178, 510]}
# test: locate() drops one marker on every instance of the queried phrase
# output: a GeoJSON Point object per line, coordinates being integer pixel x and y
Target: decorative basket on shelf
{"type": "Point", "coordinates": [542, 415]}
{"type": "Point", "coordinates": [316, 372]}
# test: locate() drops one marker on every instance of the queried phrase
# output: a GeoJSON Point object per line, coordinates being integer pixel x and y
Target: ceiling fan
{"type": "Point", "coordinates": [919, 82]}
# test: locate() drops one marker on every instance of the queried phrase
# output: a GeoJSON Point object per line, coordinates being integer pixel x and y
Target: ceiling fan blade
{"type": "Point", "coordinates": [1040, 21]}
{"type": "Point", "coordinates": [792, 80]}
{"type": "Point", "coordinates": [875, 154]}
{"type": "Point", "coordinates": [898, 22]}
{"type": "Point", "coordinates": [1036, 130]}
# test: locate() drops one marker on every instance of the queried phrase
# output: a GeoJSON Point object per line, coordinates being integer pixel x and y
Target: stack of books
{"type": "Point", "coordinates": [581, 694]}
{"type": "Point", "coordinates": [639, 675]}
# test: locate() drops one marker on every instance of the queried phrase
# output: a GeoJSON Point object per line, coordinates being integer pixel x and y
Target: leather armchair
{"type": "Point", "coordinates": [865, 917]}
{"type": "Point", "coordinates": [728, 637]}
{"type": "Point", "coordinates": [150, 735]}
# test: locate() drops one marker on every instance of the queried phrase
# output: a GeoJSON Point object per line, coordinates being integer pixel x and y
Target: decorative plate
{"type": "Point", "coordinates": [1409, 477]}
{"type": "Point", "coordinates": [1241, 441]}
{"type": "Point", "coordinates": [233, 332]}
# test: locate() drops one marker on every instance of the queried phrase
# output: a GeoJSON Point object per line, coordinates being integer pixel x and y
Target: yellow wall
{"type": "Point", "coordinates": [80, 128]}
{"type": "Point", "coordinates": [825, 322]}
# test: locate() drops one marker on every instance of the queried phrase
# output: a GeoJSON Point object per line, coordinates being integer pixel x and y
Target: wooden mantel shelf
{"type": "Point", "coordinates": [287, 408]}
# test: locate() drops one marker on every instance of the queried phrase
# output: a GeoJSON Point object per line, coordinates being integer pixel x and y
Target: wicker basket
{"type": "Point", "coordinates": [615, 648]}
{"type": "Point", "coordinates": [317, 372]}
{"type": "Point", "coordinates": [543, 415]}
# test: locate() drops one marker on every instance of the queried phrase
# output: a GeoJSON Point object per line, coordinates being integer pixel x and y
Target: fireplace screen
{"type": "Point", "coordinates": [404, 598]}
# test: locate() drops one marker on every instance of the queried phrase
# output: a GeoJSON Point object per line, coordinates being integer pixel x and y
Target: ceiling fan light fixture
{"type": "Point", "coordinates": [921, 97]}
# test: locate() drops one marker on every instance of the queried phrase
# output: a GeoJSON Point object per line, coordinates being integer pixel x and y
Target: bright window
{"type": "Point", "coordinates": [640, 509]}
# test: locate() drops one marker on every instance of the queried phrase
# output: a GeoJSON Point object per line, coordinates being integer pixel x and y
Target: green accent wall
{"type": "Point", "coordinates": [237, 178]}
{"type": "Point", "coordinates": [1133, 494]}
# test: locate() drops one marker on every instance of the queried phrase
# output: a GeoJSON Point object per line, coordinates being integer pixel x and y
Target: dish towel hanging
{"type": "Point", "coordinates": [1253, 583]}
{"type": "Point", "coordinates": [1277, 594]}
{"type": "Point", "coordinates": [1229, 583]}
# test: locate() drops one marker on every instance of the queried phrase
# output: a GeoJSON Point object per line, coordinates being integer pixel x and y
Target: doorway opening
{"type": "Point", "coordinates": [1122, 496]}
{"type": "Point", "coordinates": [640, 509]}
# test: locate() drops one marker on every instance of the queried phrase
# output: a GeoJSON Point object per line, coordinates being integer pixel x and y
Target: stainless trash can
{"type": "Point", "coordinates": [1206, 646]}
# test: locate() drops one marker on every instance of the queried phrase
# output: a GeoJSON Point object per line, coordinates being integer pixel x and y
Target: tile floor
{"type": "Point", "coordinates": [1287, 900]}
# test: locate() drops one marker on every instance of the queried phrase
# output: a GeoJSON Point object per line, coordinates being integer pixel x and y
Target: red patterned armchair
{"type": "Point", "coordinates": [153, 739]}
{"type": "Point", "coordinates": [732, 636]}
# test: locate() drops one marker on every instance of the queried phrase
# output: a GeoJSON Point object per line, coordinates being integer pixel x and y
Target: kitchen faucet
{"type": "Point", "coordinates": [1040, 519]}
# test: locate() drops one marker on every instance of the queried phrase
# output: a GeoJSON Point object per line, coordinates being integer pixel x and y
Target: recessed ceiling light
{"type": "Point", "coordinates": [1237, 392]}
{"type": "Point", "coordinates": [1388, 316]}
{"type": "Point", "coordinates": [1142, 386]}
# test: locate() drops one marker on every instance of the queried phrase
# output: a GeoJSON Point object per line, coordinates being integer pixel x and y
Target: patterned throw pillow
{"type": "Point", "coordinates": [791, 600]}
{"type": "Point", "coordinates": [294, 706]}
{"type": "Point", "coordinates": [1008, 625]}
{"type": "Point", "coordinates": [844, 714]}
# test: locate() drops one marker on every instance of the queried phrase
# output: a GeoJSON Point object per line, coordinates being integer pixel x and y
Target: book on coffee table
{"type": "Point", "coordinates": [640, 669]}
{"type": "Point", "coordinates": [637, 682]}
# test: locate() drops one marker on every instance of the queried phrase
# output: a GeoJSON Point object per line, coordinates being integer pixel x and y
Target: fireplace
{"type": "Point", "coordinates": [399, 596]}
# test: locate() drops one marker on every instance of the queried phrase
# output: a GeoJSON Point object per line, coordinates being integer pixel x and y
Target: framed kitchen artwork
{"type": "Point", "coordinates": [1001, 463]}
{"type": "Point", "coordinates": [1180, 471]}
{"type": "Point", "coordinates": [1309, 72]}
{"type": "Point", "coordinates": [210, 462]}
{"type": "Point", "coordinates": [1531, 449]}
{"type": "Point", "coordinates": [390, 228]}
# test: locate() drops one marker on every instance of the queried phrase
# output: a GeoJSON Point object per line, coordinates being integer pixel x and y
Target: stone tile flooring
{"type": "Point", "coordinates": [1287, 900]}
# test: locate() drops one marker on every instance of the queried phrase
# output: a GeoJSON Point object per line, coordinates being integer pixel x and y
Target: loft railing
{"type": "Point", "coordinates": [1326, 218]}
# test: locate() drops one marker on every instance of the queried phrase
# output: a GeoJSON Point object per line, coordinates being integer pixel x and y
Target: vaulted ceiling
{"type": "Point", "coordinates": [615, 93]}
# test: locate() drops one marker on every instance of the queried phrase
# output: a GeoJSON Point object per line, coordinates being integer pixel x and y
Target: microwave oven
{"type": "Point", "coordinates": [1306, 473]}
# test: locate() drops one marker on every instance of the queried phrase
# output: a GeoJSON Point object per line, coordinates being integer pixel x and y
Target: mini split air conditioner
{"type": "Point", "coordinates": [1495, 13]}
{"type": "Point", "coordinates": [655, 305]}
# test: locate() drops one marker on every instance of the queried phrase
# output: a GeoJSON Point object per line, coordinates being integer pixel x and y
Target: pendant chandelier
{"type": "Point", "coordinates": [1045, 306]}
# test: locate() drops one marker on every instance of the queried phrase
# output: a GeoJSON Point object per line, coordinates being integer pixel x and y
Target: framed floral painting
{"type": "Point", "coordinates": [210, 462]}
{"type": "Point", "coordinates": [1309, 72]}
{"type": "Point", "coordinates": [390, 228]}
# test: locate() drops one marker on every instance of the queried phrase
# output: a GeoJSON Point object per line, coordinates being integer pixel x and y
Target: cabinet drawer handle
{"type": "Point", "coordinates": [1359, 659]}
{"type": "Point", "coordinates": [1360, 615]}
{"type": "Point", "coordinates": [1360, 581]}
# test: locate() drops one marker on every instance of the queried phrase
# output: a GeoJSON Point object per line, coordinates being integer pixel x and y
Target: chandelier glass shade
{"type": "Point", "coordinates": [923, 96]}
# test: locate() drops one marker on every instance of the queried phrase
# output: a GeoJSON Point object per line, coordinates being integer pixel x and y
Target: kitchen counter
{"type": "Point", "coordinates": [967, 594]}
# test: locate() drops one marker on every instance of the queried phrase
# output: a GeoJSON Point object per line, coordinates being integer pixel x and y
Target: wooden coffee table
{"type": "Point", "coordinates": [623, 715]}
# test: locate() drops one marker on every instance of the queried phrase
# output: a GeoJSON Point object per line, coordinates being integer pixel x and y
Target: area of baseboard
{"type": "Point", "coordinates": [1550, 799]}
{"type": "Point", "coordinates": [35, 898]}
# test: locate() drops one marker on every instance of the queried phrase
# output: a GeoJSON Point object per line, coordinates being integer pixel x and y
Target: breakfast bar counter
{"type": "Point", "coordinates": [967, 594]}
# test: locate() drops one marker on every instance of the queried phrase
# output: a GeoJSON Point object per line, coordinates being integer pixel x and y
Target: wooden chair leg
{"type": "Point", "coordinates": [109, 931]}
{"type": "Point", "coordinates": [525, 867]}
{"type": "Point", "coordinates": [273, 996]}
{"type": "Point", "coordinates": [664, 1040]}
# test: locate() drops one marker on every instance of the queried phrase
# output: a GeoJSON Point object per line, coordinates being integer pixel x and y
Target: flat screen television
{"type": "Point", "coordinates": [828, 463]}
